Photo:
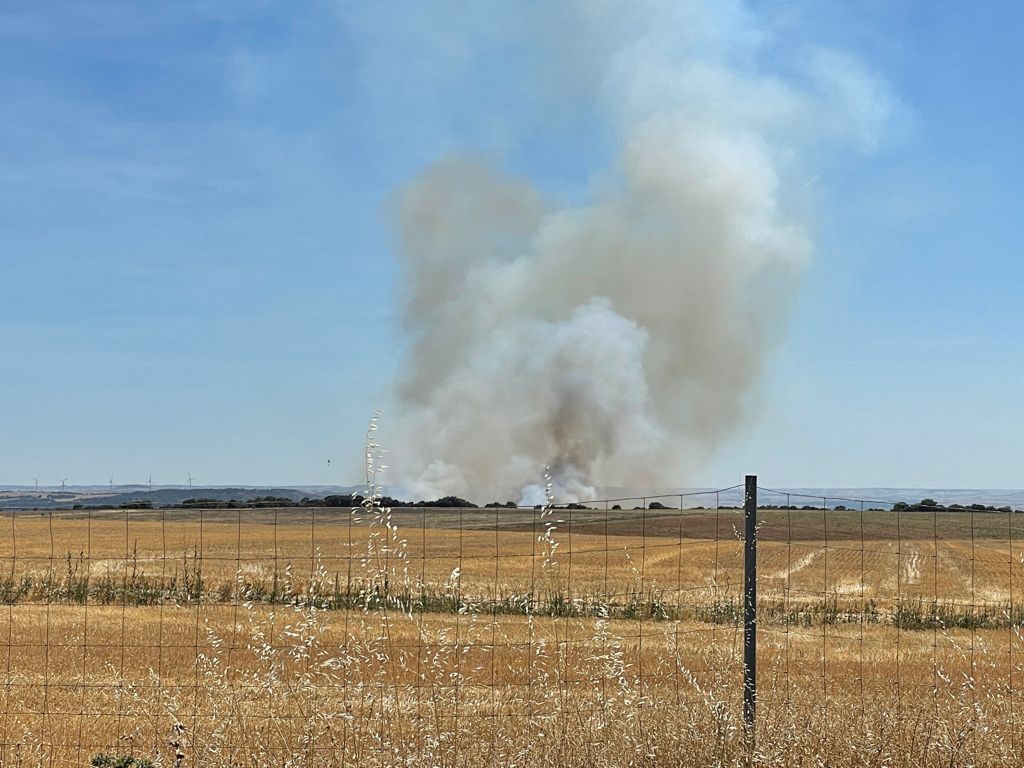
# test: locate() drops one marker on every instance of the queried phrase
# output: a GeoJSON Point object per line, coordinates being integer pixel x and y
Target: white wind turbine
{"type": "Point", "coordinates": [63, 480]}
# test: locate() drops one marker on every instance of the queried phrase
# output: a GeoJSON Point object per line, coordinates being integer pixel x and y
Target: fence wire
{"type": "Point", "coordinates": [608, 632]}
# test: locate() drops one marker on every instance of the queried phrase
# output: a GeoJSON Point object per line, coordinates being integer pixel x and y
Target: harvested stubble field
{"type": "Point", "coordinates": [519, 637]}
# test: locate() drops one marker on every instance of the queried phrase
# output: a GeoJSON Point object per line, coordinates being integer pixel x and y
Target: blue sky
{"type": "Point", "coordinates": [197, 262]}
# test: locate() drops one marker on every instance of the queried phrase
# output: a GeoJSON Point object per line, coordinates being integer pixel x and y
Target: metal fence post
{"type": "Point", "coordinates": [750, 607]}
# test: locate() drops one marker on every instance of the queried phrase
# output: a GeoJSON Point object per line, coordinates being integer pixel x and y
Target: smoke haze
{"type": "Point", "coordinates": [618, 339]}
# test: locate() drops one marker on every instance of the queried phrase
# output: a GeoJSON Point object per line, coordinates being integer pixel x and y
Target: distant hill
{"type": "Point", "coordinates": [22, 497]}
{"type": "Point", "coordinates": [25, 498]}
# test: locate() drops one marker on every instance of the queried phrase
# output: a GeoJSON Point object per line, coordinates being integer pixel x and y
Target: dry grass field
{"type": "Point", "coordinates": [515, 637]}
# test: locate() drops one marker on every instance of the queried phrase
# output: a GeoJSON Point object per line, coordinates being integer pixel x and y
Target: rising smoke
{"type": "Point", "coordinates": [618, 340]}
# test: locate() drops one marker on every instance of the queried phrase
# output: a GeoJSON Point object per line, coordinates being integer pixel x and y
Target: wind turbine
{"type": "Point", "coordinates": [190, 481]}
{"type": "Point", "coordinates": [64, 480]}
{"type": "Point", "coordinates": [150, 483]}
{"type": "Point", "coordinates": [111, 485]}
{"type": "Point", "coordinates": [37, 483]}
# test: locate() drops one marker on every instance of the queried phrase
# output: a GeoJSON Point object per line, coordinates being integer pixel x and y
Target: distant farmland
{"type": "Point", "coordinates": [528, 637]}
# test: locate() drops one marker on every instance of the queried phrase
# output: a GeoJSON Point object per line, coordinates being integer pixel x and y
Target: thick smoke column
{"type": "Point", "coordinates": [617, 340]}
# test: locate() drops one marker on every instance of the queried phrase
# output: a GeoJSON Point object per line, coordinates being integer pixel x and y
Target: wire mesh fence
{"type": "Point", "coordinates": [601, 633]}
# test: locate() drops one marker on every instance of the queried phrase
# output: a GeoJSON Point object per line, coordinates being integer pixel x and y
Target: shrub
{"type": "Point", "coordinates": [119, 761]}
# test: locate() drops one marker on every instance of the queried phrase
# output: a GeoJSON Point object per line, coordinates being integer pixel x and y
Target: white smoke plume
{"type": "Point", "coordinates": [617, 340]}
